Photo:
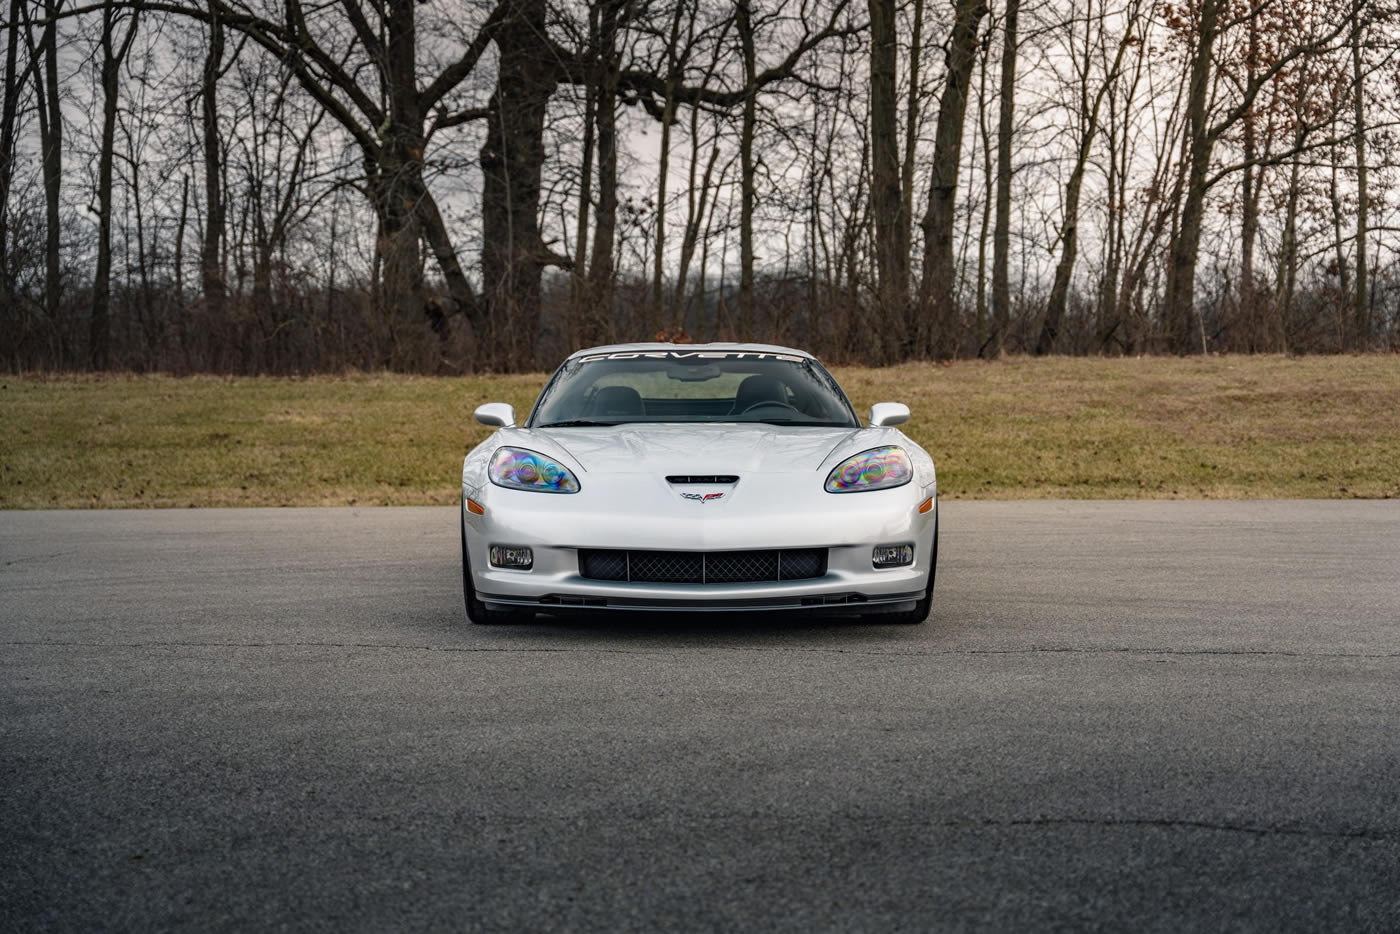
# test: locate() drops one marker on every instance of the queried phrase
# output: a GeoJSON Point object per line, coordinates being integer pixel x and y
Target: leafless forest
{"type": "Point", "coordinates": [466, 185]}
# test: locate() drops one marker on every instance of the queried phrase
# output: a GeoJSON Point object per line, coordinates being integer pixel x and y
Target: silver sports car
{"type": "Point", "coordinates": [697, 477]}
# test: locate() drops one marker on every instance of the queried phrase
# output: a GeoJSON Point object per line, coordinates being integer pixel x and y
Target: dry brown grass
{"type": "Point", "coordinates": [1236, 427]}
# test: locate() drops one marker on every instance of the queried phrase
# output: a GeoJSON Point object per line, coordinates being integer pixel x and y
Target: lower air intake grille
{"type": "Point", "coordinates": [701, 567]}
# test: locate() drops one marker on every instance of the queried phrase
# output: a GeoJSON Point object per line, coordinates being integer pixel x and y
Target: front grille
{"type": "Point", "coordinates": [732, 567]}
{"type": "Point", "coordinates": [802, 563]}
{"type": "Point", "coordinates": [678, 567]}
{"type": "Point", "coordinates": [603, 565]}
{"type": "Point", "coordinates": [701, 567]}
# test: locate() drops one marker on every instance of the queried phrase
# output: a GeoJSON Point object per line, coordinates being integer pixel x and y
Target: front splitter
{"type": "Point", "coordinates": [839, 602]}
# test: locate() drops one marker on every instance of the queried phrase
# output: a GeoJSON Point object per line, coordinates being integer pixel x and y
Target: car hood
{"type": "Point", "coordinates": [702, 449]}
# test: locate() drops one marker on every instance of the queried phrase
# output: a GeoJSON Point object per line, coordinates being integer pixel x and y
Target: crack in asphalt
{"type": "Point", "coordinates": [1179, 823]}
{"type": "Point", "coordinates": [1169, 823]}
{"type": "Point", "coordinates": [1382, 835]}
{"type": "Point", "coordinates": [56, 554]}
{"type": "Point", "coordinates": [661, 650]}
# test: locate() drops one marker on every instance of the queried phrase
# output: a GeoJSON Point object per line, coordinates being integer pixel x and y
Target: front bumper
{"type": "Point", "coordinates": [848, 528]}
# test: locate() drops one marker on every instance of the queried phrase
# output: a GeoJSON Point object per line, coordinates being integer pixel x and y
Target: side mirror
{"type": "Point", "coordinates": [500, 415]}
{"type": "Point", "coordinates": [888, 414]}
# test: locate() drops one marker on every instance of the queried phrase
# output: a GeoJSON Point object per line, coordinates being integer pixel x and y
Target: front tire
{"type": "Point", "coordinates": [921, 609]}
{"type": "Point", "coordinates": [478, 612]}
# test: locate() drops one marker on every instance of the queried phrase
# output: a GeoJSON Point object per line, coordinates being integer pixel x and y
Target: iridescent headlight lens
{"type": "Point", "coordinates": [519, 469]}
{"type": "Point", "coordinates": [876, 469]}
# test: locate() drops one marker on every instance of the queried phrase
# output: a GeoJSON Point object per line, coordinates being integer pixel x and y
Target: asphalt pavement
{"type": "Point", "coordinates": [1123, 716]}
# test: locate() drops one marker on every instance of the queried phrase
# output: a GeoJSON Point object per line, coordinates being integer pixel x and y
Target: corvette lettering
{"type": "Point", "coordinates": [693, 355]}
{"type": "Point", "coordinates": [701, 497]}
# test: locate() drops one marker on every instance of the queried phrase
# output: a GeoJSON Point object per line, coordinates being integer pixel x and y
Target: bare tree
{"type": "Point", "coordinates": [1204, 130]}
{"type": "Point", "coordinates": [1001, 235]}
{"type": "Point", "coordinates": [384, 183]}
{"type": "Point", "coordinates": [937, 328]}
{"type": "Point", "coordinates": [675, 56]}
{"type": "Point", "coordinates": [14, 82]}
{"type": "Point", "coordinates": [597, 326]}
{"type": "Point", "coordinates": [1362, 299]}
{"type": "Point", "coordinates": [887, 204]}
{"type": "Point", "coordinates": [51, 142]}
{"type": "Point", "coordinates": [114, 51]}
{"type": "Point", "coordinates": [211, 265]}
{"type": "Point", "coordinates": [1089, 108]}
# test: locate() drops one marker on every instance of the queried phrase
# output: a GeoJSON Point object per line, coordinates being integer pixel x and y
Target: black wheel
{"type": "Point", "coordinates": [477, 611]}
{"type": "Point", "coordinates": [920, 612]}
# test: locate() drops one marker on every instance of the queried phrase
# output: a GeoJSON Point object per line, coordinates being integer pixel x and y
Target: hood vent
{"type": "Point", "coordinates": [702, 478]}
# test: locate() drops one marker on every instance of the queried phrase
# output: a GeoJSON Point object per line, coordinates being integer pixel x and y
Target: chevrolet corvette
{"type": "Point", "coordinates": [718, 477]}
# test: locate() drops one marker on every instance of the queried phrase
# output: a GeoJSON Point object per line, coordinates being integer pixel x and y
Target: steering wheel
{"type": "Point", "coordinates": [759, 405]}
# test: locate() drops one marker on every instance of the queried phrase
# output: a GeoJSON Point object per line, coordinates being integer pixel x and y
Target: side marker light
{"type": "Point", "coordinates": [475, 508]}
{"type": "Point", "coordinates": [926, 505]}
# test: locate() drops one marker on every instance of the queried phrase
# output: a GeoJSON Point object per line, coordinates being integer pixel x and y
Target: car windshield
{"type": "Point", "coordinates": [692, 386]}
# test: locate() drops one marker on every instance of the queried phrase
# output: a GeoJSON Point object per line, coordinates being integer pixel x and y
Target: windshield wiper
{"type": "Point", "coordinates": [798, 421]}
{"type": "Point", "coordinates": [581, 423]}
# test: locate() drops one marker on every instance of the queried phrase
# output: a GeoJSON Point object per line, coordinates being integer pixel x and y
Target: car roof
{"type": "Point", "coordinates": [715, 345]}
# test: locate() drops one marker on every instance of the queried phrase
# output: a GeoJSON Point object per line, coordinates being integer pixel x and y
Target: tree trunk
{"type": "Point", "coordinates": [600, 264]}
{"type": "Point", "coordinates": [1113, 233]}
{"type": "Point", "coordinates": [1144, 251]}
{"type": "Point", "coordinates": [262, 276]}
{"type": "Point", "coordinates": [211, 267]}
{"type": "Point", "coordinates": [696, 212]}
{"type": "Point", "coordinates": [146, 316]}
{"type": "Point", "coordinates": [513, 256]}
{"type": "Point", "coordinates": [579, 308]}
{"type": "Point", "coordinates": [51, 142]}
{"type": "Point", "coordinates": [937, 329]}
{"type": "Point", "coordinates": [668, 116]}
{"type": "Point", "coordinates": [1179, 313]}
{"type": "Point", "coordinates": [702, 284]}
{"type": "Point", "coordinates": [180, 242]}
{"type": "Point", "coordinates": [1251, 185]}
{"type": "Point", "coordinates": [400, 295]}
{"type": "Point", "coordinates": [1334, 198]}
{"type": "Point", "coordinates": [100, 334]}
{"type": "Point", "coordinates": [1001, 232]}
{"type": "Point", "coordinates": [9, 110]}
{"type": "Point", "coordinates": [659, 244]}
{"type": "Point", "coordinates": [886, 184]}
{"type": "Point", "coordinates": [1362, 298]}
{"type": "Point", "coordinates": [748, 192]}
{"type": "Point", "coordinates": [1288, 259]}
{"type": "Point", "coordinates": [984, 143]}
{"type": "Point", "coordinates": [1069, 228]}
{"type": "Point", "coordinates": [911, 140]}
{"type": "Point", "coordinates": [695, 216]}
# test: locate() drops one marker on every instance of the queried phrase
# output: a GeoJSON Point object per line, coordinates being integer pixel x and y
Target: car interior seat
{"type": "Point", "coordinates": [760, 387]}
{"type": "Point", "coordinates": [617, 400]}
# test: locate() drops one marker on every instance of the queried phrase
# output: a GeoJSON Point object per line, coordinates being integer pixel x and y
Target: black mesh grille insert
{"type": "Point", "coordinates": [674, 567]}
{"type": "Point", "coordinates": [733, 567]}
{"type": "Point", "coordinates": [802, 563]}
{"type": "Point", "coordinates": [701, 567]}
{"type": "Point", "coordinates": [603, 565]}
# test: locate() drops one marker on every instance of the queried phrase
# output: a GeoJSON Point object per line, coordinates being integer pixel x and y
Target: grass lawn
{"type": "Point", "coordinates": [1236, 427]}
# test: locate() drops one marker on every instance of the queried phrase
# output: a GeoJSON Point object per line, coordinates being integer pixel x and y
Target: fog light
{"type": "Point", "coordinates": [512, 556]}
{"type": "Point", "coordinates": [892, 556]}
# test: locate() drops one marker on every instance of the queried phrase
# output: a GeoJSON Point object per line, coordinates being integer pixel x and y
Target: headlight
{"type": "Point", "coordinates": [519, 469]}
{"type": "Point", "coordinates": [876, 469]}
